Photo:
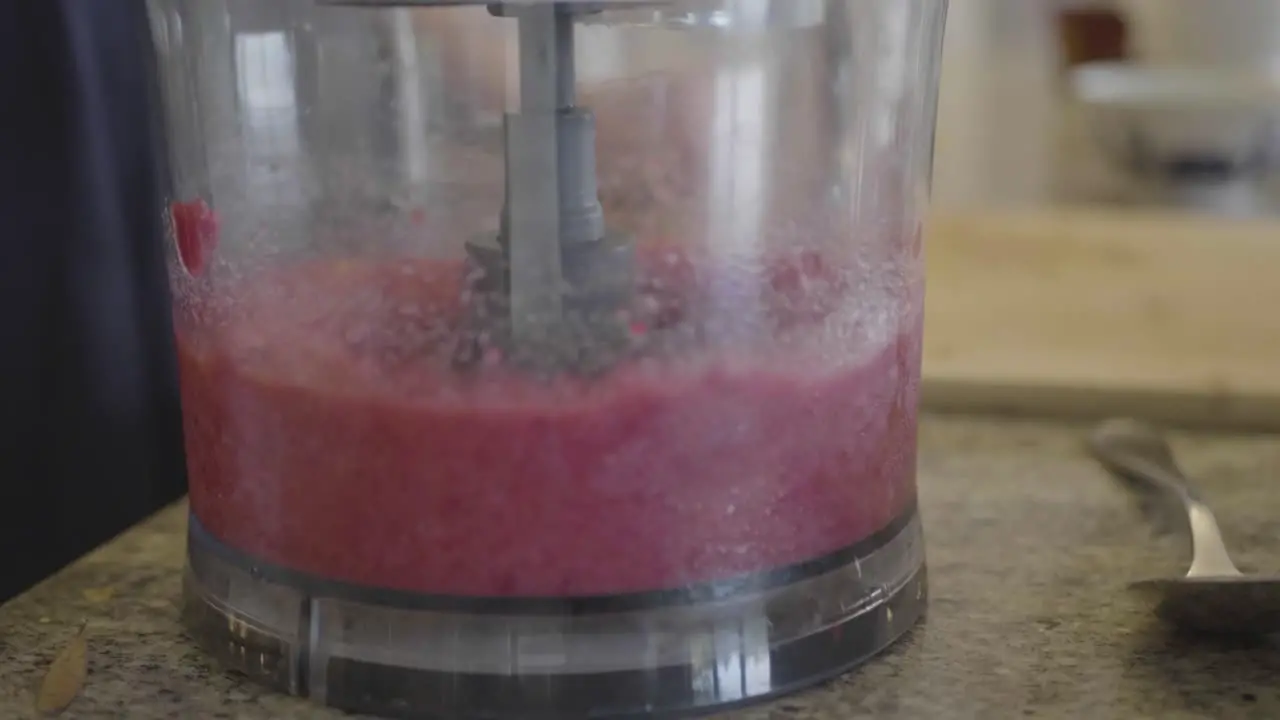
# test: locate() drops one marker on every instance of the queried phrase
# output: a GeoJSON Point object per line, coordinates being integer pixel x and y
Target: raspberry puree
{"type": "Point", "coordinates": [326, 433]}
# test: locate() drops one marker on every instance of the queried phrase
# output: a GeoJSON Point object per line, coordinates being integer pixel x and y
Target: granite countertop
{"type": "Point", "coordinates": [1029, 548]}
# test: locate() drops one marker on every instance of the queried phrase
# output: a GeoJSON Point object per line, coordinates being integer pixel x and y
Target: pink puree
{"type": "Point", "coordinates": [310, 450]}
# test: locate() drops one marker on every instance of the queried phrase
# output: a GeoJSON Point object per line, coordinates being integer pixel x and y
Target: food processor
{"type": "Point", "coordinates": [549, 359]}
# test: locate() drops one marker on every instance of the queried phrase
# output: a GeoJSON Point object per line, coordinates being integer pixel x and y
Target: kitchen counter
{"type": "Point", "coordinates": [1029, 548]}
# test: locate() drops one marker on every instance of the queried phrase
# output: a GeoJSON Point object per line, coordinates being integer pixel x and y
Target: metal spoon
{"type": "Point", "coordinates": [1214, 596]}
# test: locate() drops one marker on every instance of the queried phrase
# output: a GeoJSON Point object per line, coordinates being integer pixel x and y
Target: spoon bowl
{"type": "Point", "coordinates": [1232, 604]}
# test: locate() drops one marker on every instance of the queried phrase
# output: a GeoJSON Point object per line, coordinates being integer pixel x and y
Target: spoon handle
{"type": "Point", "coordinates": [1139, 457]}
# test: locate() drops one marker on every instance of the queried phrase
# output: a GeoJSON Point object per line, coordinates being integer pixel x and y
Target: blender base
{"type": "Point", "coordinates": [692, 651]}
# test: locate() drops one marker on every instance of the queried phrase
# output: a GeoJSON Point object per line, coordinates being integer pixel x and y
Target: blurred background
{"type": "Point", "coordinates": [1128, 102]}
{"type": "Point", "coordinates": [1104, 236]}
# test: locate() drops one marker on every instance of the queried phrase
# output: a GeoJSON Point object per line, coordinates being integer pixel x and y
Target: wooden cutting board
{"type": "Point", "coordinates": [1084, 314]}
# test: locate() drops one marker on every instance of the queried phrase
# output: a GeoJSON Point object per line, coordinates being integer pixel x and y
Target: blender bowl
{"type": "Point", "coordinates": [549, 359]}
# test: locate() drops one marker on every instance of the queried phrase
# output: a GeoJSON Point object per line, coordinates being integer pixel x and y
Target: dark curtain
{"type": "Point", "coordinates": [89, 427]}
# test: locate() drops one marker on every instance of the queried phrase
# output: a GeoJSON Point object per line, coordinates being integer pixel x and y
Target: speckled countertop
{"type": "Point", "coordinates": [1029, 548]}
